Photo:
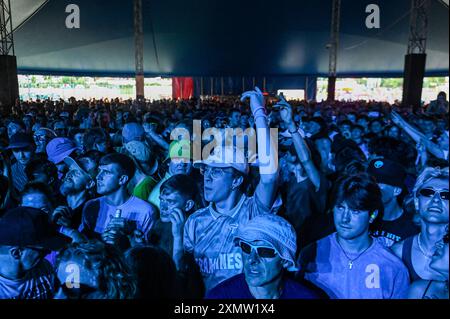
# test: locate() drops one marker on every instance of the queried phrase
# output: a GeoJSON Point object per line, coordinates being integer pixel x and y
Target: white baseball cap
{"type": "Point", "coordinates": [228, 156]}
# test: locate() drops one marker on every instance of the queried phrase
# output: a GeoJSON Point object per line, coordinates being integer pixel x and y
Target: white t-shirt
{"type": "Point", "coordinates": [38, 283]}
{"type": "Point", "coordinates": [97, 214]}
{"type": "Point", "coordinates": [209, 235]}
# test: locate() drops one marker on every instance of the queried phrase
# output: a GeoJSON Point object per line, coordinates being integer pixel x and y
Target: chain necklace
{"type": "Point", "coordinates": [350, 261]}
{"type": "Point", "coordinates": [423, 251]}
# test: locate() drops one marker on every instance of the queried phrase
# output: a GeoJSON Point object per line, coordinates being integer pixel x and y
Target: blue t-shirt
{"type": "Point", "coordinates": [375, 274]}
{"type": "Point", "coordinates": [236, 288]}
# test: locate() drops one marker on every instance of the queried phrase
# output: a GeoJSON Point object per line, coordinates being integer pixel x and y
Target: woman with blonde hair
{"type": "Point", "coordinates": [431, 202]}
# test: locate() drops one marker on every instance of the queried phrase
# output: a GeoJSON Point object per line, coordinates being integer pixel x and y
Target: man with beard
{"type": "Point", "coordinates": [77, 187]}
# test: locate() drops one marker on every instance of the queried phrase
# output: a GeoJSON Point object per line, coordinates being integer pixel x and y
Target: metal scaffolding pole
{"type": "Point", "coordinates": [333, 47]}
{"type": "Point", "coordinates": [415, 58]}
{"type": "Point", "coordinates": [139, 50]}
{"type": "Point", "coordinates": [6, 33]}
{"type": "Point", "coordinates": [418, 27]}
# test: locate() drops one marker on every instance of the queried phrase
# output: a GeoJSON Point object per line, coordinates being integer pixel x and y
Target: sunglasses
{"type": "Point", "coordinates": [263, 252]}
{"type": "Point", "coordinates": [215, 172]}
{"type": "Point", "coordinates": [429, 192]}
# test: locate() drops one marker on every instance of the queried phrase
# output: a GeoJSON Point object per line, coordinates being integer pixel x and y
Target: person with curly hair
{"type": "Point", "coordinates": [93, 270]}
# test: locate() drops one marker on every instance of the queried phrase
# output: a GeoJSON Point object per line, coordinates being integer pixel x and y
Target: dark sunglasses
{"type": "Point", "coordinates": [429, 192]}
{"type": "Point", "coordinates": [263, 252]}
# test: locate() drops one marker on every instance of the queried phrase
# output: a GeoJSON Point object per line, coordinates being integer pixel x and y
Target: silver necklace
{"type": "Point", "coordinates": [423, 251]}
{"type": "Point", "coordinates": [350, 261]}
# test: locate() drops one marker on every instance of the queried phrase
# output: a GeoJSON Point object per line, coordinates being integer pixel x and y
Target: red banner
{"type": "Point", "coordinates": [182, 88]}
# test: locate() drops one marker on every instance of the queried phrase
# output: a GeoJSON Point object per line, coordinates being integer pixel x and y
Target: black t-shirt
{"type": "Point", "coordinates": [161, 235]}
{"type": "Point", "coordinates": [391, 232]}
{"type": "Point", "coordinates": [304, 204]}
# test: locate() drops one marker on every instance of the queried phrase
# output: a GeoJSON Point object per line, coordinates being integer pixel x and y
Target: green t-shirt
{"type": "Point", "coordinates": [154, 194]}
{"type": "Point", "coordinates": [144, 188]}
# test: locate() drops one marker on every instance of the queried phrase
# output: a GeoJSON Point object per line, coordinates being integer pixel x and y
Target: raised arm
{"type": "Point", "coordinates": [301, 148]}
{"type": "Point", "coordinates": [158, 139]}
{"type": "Point", "coordinates": [267, 149]}
{"type": "Point", "coordinates": [417, 136]}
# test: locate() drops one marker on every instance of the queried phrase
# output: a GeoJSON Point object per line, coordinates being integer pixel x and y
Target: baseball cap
{"type": "Point", "coordinates": [387, 172]}
{"type": "Point", "coordinates": [274, 230]}
{"type": "Point", "coordinates": [179, 149]}
{"type": "Point", "coordinates": [20, 140]}
{"type": "Point", "coordinates": [133, 131]}
{"type": "Point", "coordinates": [44, 130]}
{"type": "Point", "coordinates": [140, 151]}
{"type": "Point", "coordinates": [26, 226]}
{"type": "Point", "coordinates": [59, 148]}
{"type": "Point", "coordinates": [81, 165]}
{"type": "Point", "coordinates": [228, 156]}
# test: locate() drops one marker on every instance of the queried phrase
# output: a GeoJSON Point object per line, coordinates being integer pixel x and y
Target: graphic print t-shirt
{"type": "Point", "coordinates": [209, 235]}
{"type": "Point", "coordinates": [390, 232]}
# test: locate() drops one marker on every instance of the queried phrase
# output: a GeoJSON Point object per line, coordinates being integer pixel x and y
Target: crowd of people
{"type": "Point", "coordinates": [249, 197]}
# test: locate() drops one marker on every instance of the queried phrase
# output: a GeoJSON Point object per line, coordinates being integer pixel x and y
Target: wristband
{"type": "Point", "coordinates": [293, 132]}
{"type": "Point", "coordinates": [260, 115]}
{"type": "Point", "coordinates": [257, 109]}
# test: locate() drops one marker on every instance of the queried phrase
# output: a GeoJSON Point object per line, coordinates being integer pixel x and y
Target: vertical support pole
{"type": "Point", "coordinates": [415, 59]}
{"type": "Point", "coordinates": [201, 86]}
{"type": "Point", "coordinates": [212, 86]}
{"type": "Point", "coordinates": [139, 50]}
{"type": "Point", "coordinates": [333, 47]}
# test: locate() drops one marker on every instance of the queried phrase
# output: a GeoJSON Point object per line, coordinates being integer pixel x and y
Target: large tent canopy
{"type": "Point", "coordinates": [222, 38]}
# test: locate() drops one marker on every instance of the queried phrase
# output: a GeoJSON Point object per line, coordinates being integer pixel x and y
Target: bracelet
{"type": "Point", "coordinates": [257, 109]}
{"type": "Point", "coordinates": [293, 132]}
{"type": "Point", "coordinates": [260, 115]}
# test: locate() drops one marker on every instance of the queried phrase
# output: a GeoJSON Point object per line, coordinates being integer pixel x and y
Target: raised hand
{"type": "Point", "coordinates": [256, 99]}
{"type": "Point", "coordinates": [177, 219]}
{"type": "Point", "coordinates": [285, 110]}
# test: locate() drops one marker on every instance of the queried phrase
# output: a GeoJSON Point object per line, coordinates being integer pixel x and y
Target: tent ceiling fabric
{"type": "Point", "coordinates": [234, 37]}
{"type": "Point", "coordinates": [23, 9]}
